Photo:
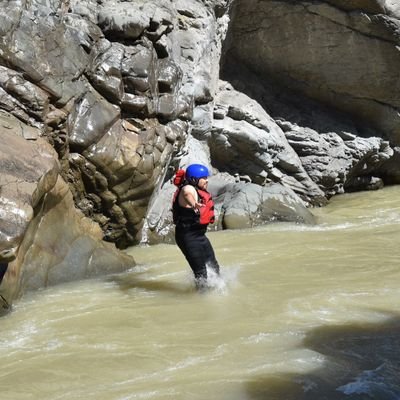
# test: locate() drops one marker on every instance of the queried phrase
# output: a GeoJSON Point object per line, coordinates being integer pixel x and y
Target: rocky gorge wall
{"type": "Point", "coordinates": [342, 55]}
{"type": "Point", "coordinates": [287, 102]}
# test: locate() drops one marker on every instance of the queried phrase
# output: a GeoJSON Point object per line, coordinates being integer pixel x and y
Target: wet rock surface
{"type": "Point", "coordinates": [45, 240]}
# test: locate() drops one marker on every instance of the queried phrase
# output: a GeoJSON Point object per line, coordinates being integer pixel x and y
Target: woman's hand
{"type": "Point", "coordinates": [196, 207]}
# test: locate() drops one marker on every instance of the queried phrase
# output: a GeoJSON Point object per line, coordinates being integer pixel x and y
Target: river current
{"type": "Point", "coordinates": [300, 312]}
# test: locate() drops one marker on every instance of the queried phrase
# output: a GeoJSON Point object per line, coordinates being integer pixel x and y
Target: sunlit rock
{"type": "Point", "coordinates": [44, 239]}
{"type": "Point", "coordinates": [249, 205]}
{"type": "Point", "coordinates": [28, 170]}
{"type": "Point", "coordinates": [60, 245]}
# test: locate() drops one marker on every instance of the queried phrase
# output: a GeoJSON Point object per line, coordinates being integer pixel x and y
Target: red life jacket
{"type": "Point", "coordinates": [187, 215]}
{"type": "Point", "coordinates": [207, 215]}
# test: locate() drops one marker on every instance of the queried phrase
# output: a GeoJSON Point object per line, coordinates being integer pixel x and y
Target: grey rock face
{"type": "Point", "coordinates": [343, 54]}
{"type": "Point", "coordinates": [112, 87]}
{"type": "Point", "coordinates": [105, 83]}
{"type": "Point", "coordinates": [246, 140]}
{"type": "Point", "coordinates": [332, 148]}
{"type": "Point", "coordinates": [250, 205]}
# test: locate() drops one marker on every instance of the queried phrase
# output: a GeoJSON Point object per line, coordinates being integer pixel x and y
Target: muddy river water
{"type": "Point", "coordinates": [300, 312]}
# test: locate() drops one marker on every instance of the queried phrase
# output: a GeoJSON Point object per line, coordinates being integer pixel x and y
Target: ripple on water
{"type": "Point", "coordinates": [292, 302]}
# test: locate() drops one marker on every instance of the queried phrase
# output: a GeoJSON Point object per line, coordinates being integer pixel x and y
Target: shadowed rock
{"type": "Point", "coordinates": [245, 138]}
{"type": "Point", "coordinates": [344, 54]}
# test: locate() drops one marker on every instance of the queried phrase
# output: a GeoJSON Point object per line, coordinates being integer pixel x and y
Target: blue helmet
{"type": "Point", "coordinates": [196, 171]}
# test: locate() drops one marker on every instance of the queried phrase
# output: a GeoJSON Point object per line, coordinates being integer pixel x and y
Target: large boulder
{"type": "Point", "coordinates": [60, 245]}
{"type": "Point", "coordinates": [246, 205]}
{"type": "Point", "coordinates": [44, 239]}
{"type": "Point", "coordinates": [28, 171]}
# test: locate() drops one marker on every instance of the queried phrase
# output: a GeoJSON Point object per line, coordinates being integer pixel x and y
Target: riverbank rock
{"type": "Point", "coordinates": [246, 205]}
{"type": "Point", "coordinates": [114, 96]}
{"type": "Point", "coordinates": [44, 239]}
{"type": "Point", "coordinates": [127, 84]}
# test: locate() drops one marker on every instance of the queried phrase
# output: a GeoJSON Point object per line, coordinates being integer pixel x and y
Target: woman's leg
{"type": "Point", "coordinates": [191, 245]}
{"type": "Point", "coordinates": [211, 260]}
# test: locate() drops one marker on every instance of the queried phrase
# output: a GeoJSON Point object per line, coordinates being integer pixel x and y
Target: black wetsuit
{"type": "Point", "coordinates": [190, 236]}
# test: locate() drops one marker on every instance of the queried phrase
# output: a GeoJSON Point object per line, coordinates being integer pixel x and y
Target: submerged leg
{"type": "Point", "coordinates": [199, 253]}
{"type": "Point", "coordinates": [210, 256]}
{"type": "Point", "coordinates": [201, 284]}
{"type": "Point", "coordinates": [191, 246]}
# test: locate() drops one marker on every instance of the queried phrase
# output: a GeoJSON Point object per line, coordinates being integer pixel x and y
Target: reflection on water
{"type": "Point", "coordinates": [300, 313]}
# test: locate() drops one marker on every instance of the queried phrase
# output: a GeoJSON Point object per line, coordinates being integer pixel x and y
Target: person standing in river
{"type": "Point", "coordinates": [193, 210]}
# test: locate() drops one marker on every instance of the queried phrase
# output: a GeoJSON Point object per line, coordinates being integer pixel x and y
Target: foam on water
{"type": "Point", "coordinates": [220, 283]}
{"type": "Point", "coordinates": [294, 306]}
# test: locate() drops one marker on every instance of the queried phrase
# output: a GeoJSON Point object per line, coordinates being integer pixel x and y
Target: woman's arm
{"type": "Point", "coordinates": [188, 198]}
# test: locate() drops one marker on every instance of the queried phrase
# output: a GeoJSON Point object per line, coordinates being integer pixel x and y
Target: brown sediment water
{"type": "Point", "coordinates": [300, 312]}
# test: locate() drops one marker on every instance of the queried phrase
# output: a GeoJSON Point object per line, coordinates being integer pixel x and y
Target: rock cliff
{"type": "Point", "coordinates": [289, 103]}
